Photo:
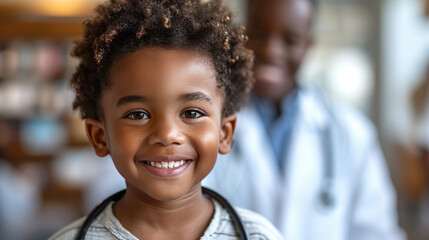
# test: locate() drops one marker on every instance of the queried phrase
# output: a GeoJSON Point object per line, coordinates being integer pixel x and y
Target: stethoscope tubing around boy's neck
{"type": "Point", "coordinates": [115, 197]}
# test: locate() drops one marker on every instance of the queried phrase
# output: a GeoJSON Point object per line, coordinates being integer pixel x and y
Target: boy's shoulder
{"type": "Point", "coordinates": [105, 226]}
{"type": "Point", "coordinates": [257, 226]}
{"type": "Point", "coordinates": [223, 227]}
{"type": "Point", "coordinates": [69, 232]}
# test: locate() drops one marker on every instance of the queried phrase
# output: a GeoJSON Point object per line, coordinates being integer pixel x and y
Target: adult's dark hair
{"type": "Point", "coordinates": [122, 27]}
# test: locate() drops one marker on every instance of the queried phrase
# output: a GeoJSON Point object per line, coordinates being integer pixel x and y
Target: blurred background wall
{"type": "Point", "coordinates": [372, 54]}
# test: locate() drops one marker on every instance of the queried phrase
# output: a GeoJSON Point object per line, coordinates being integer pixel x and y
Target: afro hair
{"type": "Point", "coordinates": [121, 27]}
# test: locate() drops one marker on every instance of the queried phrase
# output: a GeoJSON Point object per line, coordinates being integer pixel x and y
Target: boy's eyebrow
{"type": "Point", "coordinates": [132, 98]}
{"type": "Point", "coordinates": [196, 96]}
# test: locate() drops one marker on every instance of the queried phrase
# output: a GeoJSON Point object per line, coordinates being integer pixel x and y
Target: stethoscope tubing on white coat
{"type": "Point", "coordinates": [326, 195]}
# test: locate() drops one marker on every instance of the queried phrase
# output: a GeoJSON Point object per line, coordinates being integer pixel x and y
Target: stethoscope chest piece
{"type": "Point", "coordinates": [327, 199]}
{"type": "Point", "coordinates": [325, 202]}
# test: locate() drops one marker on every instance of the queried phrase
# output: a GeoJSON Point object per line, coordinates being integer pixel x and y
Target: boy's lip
{"type": "Point", "coordinates": [167, 158]}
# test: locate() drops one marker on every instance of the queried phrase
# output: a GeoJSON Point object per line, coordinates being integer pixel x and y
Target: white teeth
{"type": "Point", "coordinates": [172, 164]}
{"type": "Point", "coordinates": [164, 164]}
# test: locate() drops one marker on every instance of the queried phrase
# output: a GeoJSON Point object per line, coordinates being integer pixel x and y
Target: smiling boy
{"type": "Point", "coordinates": [158, 84]}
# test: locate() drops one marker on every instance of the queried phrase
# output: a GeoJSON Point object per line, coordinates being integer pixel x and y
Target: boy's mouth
{"type": "Point", "coordinates": [164, 164]}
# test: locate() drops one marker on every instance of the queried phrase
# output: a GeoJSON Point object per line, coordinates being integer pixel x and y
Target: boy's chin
{"type": "Point", "coordinates": [170, 194]}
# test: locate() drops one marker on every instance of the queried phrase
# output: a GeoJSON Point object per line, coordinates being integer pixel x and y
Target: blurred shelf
{"type": "Point", "coordinates": [47, 19]}
{"type": "Point", "coordinates": [39, 29]}
{"type": "Point", "coordinates": [70, 197]}
{"type": "Point", "coordinates": [18, 156]}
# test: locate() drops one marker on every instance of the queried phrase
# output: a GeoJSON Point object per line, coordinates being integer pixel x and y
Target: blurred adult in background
{"type": "Point", "coordinates": [312, 167]}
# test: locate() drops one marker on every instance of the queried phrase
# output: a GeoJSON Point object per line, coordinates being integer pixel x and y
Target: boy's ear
{"type": "Point", "coordinates": [226, 133]}
{"type": "Point", "coordinates": [97, 136]}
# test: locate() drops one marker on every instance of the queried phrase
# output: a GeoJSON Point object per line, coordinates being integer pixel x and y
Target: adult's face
{"type": "Point", "coordinates": [279, 34]}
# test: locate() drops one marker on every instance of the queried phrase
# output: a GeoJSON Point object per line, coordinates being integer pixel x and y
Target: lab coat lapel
{"type": "Point", "coordinates": [264, 179]}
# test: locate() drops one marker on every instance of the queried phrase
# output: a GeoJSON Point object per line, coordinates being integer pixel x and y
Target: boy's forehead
{"type": "Point", "coordinates": [158, 63]}
{"type": "Point", "coordinates": [166, 58]}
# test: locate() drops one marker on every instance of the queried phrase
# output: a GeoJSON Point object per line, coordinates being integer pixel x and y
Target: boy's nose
{"type": "Point", "coordinates": [166, 132]}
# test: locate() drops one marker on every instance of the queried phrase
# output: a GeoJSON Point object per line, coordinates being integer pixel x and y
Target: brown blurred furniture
{"type": "Point", "coordinates": [415, 172]}
{"type": "Point", "coordinates": [22, 22]}
{"type": "Point", "coordinates": [427, 8]}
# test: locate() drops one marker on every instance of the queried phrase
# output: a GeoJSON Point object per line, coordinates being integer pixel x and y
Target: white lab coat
{"type": "Point", "coordinates": [364, 206]}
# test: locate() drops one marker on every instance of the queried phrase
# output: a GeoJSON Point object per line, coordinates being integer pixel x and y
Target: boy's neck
{"type": "Point", "coordinates": [147, 218]}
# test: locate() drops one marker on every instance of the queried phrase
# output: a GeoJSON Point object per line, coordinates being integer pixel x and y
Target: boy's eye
{"type": "Point", "coordinates": [137, 115]}
{"type": "Point", "coordinates": [192, 114]}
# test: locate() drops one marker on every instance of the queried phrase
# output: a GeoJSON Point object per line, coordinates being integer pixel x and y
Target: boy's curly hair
{"type": "Point", "coordinates": [124, 26]}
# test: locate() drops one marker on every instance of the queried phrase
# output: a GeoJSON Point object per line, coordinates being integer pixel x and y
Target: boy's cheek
{"type": "Point", "coordinates": [207, 149]}
{"type": "Point", "coordinates": [206, 143]}
{"type": "Point", "coordinates": [209, 142]}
